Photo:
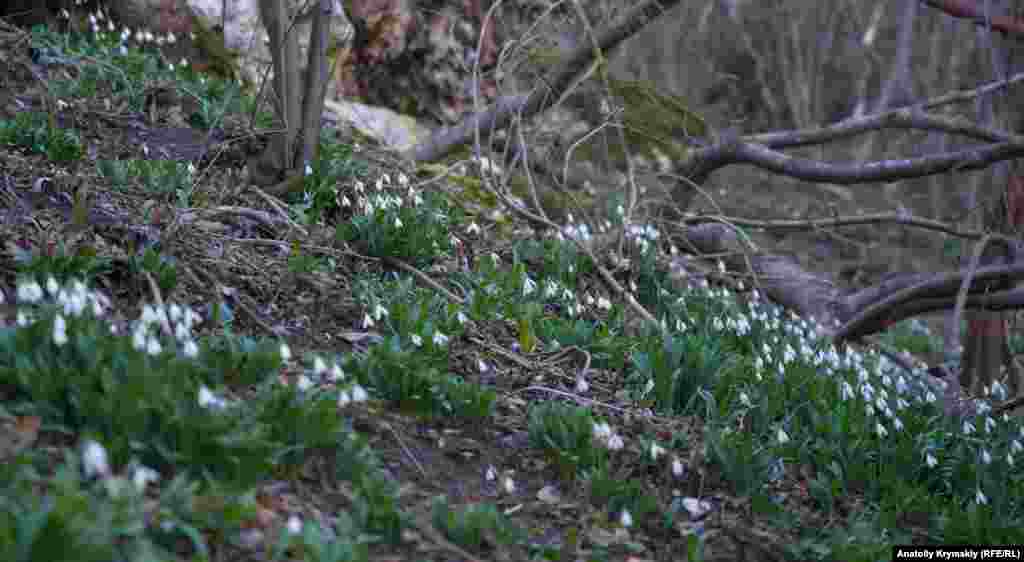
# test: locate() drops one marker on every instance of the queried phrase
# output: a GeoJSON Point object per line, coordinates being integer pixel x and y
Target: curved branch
{"type": "Point", "coordinates": [706, 160]}
{"type": "Point", "coordinates": [876, 218]}
{"type": "Point", "coordinates": [903, 118]}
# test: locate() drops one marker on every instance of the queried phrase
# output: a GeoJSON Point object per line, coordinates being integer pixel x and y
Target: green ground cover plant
{"type": "Point", "coordinates": [160, 433]}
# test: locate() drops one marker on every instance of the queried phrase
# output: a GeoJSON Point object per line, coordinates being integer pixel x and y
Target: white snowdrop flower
{"type": "Point", "coordinates": [335, 374]}
{"type": "Point", "coordinates": [183, 62]}
{"type": "Point", "coordinates": [398, 222]}
{"type": "Point", "coordinates": [990, 424]}
{"type": "Point", "coordinates": [980, 498]}
{"type": "Point", "coordinates": [149, 315]}
{"type": "Point", "coordinates": [60, 335]}
{"type": "Point", "coordinates": [285, 352]}
{"type": "Point", "coordinates": [29, 292]}
{"type": "Point", "coordinates": [648, 386]}
{"type": "Point", "coordinates": [294, 525]}
{"type": "Point", "coordinates": [143, 476]}
{"type": "Point", "coordinates": [94, 459]}
{"type": "Point", "coordinates": [153, 346]}
{"type": "Point", "coordinates": [867, 391]}
{"type": "Point", "coordinates": [677, 467]}
{"type": "Point", "coordinates": [508, 485]}
{"type": "Point", "coordinates": [139, 337]}
{"type": "Point", "coordinates": [319, 366]}
{"type": "Point", "coordinates": [931, 460]}
{"type": "Point", "coordinates": [490, 474]}
{"type": "Point", "coordinates": [847, 391]}
{"type": "Point", "coordinates": [602, 430]}
{"type": "Point", "coordinates": [1015, 446]}
{"type": "Point", "coordinates": [968, 427]}
{"type": "Point", "coordinates": [206, 397]}
{"type": "Point", "coordinates": [897, 423]}
{"type": "Point", "coordinates": [626, 519]}
{"type": "Point", "coordinates": [473, 228]}
{"type": "Point", "coordinates": [930, 397]}
{"type": "Point", "coordinates": [344, 398]}
{"type": "Point", "coordinates": [51, 286]}
{"type": "Point", "coordinates": [880, 430]}
{"type": "Point", "coordinates": [304, 383]}
{"type": "Point", "coordinates": [581, 385]}
{"type": "Point", "coordinates": [744, 399]}
{"type": "Point", "coordinates": [986, 457]}
{"type": "Point", "coordinates": [782, 436]}
{"type": "Point", "coordinates": [901, 385]}
{"type": "Point", "coordinates": [615, 442]}
{"type": "Point", "coordinates": [998, 390]}
{"type": "Point", "coordinates": [359, 393]}
{"type": "Point", "coordinates": [529, 285]}
{"type": "Point", "coordinates": [461, 318]}
{"type": "Point", "coordinates": [1009, 459]}
{"type": "Point", "coordinates": [170, 38]}
{"type": "Point", "coordinates": [440, 338]}
{"type": "Point", "coordinates": [604, 304]}
{"type": "Point", "coordinates": [416, 340]}
{"type": "Point", "coordinates": [656, 451]}
{"type": "Point", "coordinates": [367, 321]}
{"type": "Point", "coordinates": [190, 349]}
{"type": "Point", "coordinates": [181, 331]}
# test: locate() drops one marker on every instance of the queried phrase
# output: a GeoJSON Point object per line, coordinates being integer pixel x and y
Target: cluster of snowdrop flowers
{"type": "Point", "coordinates": [381, 200]}
{"type": "Point", "coordinates": [73, 300]}
{"type": "Point", "coordinates": [101, 23]}
{"type": "Point", "coordinates": [885, 389]}
{"type": "Point", "coordinates": [331, 375]}
{"type": "Point", "coordinates": [95, 464]}
{"type": "Point", "coordinates": [175, 319]}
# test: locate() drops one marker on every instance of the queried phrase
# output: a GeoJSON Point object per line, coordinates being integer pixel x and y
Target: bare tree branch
{"type": "Point", "coordinates": [557, 82]}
